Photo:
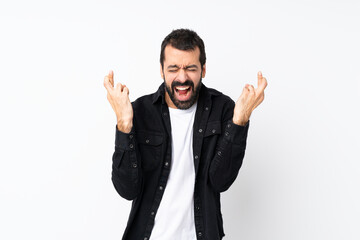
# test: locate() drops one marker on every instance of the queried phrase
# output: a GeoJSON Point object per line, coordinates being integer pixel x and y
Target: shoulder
{"type": "Point", "coordinates": [218, 97]}
{"type": "Point", "coordinates": [222, 106]}
{"type": "Point", "coordinates": [143, 101]}
{"type": "Point", "coordinates": [148, 100]}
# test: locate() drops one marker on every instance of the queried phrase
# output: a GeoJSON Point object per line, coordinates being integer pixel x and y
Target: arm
{"type": "Point", "coordinates": [126, 173]}
{"type": "Point", "coordinates": [229, 153]}
{"type": "Point", "coordinates": [230, 149]}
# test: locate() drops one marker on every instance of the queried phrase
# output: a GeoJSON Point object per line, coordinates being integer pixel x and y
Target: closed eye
{"type": "Point", "coordinates": [191, 68]}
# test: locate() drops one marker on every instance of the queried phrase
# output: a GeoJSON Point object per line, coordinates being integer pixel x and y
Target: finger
{"type": "Point", "coordinates": [111, 77]}
{"type": "Point", "coordinates": [107, 84]}
{"type": "Point", "coordinates": [251, 89]}
{"type": "Point", "coordinates": [247, 88]}
{"type": "Point", "coordinates": [245, 91]}
{"type": "Point", "coordinates": [259, 76]}
{"type": "Point", "coordinates": [126, 90]}
{"type": "Point", "coordinates": [259, 100]}
{"type": "Point", "coordinates": [262, 83]}
{"type": "Point", "coordinates": [119, 87]}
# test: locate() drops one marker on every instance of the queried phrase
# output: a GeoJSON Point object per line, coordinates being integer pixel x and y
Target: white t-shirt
{"type": "Point", "coordinates": [175, 217]}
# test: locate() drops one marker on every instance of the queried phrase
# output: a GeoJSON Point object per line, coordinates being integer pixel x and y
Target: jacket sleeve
{"type": "Point", "coordinates": [229, 154]}
{"type": "Point", "coordinates": [126, 170]}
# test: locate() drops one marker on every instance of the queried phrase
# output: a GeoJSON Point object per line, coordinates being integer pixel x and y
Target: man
{"type": "Point", "coordinates": [177, 149]}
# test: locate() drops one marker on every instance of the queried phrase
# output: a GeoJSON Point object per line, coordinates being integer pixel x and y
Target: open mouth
{"type": "Point", "coordinates": [183, 92]}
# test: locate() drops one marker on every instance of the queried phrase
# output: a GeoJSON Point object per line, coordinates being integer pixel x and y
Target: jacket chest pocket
{"type": "Point", "coordinates": [211, 136]}
{"type": "Point", "coordinates": [213, 128]}
{"type": "Point", "coordinates": [150, 147]}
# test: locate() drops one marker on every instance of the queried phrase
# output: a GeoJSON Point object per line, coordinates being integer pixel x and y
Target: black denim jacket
{"type": "Point", "coordinates": [142, 161]}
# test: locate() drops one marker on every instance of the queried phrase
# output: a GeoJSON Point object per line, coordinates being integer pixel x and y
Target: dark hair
{"type": "Point", "coordinates": [183, 39]}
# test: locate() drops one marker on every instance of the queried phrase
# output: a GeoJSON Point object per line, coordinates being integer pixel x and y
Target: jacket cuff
{"type": "Point", "coordinates": [235, 133]}
{"type": "Point", "coordinates": [125, 141]}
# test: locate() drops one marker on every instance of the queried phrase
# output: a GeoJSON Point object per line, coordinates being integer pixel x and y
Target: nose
{"type": "Point", "coordinates": [182, 76]}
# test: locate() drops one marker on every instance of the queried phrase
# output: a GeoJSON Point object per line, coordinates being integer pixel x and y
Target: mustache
{"type": "Point", "coordinates": [186, 83]}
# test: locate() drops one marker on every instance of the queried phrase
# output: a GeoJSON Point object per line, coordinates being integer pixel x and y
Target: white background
{"type": "Point", "coordinates": [301, 173]}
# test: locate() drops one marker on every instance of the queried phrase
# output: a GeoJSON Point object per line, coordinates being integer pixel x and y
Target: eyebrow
{"type": "Point", "coordinates": [191, 66]}
{"type": "Point", "coordinates": [176, 66]}
{"type": "Point", "coordinates": [173, 66]}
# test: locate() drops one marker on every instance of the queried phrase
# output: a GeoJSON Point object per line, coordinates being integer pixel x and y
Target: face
{"type": "Point", "coordinates": [182, 75]}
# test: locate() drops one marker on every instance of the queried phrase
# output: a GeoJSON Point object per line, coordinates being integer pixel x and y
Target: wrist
{"type": "Point", "coordinates": [240, 120]}
{"type": "Point", "coordinates": [124, 126]}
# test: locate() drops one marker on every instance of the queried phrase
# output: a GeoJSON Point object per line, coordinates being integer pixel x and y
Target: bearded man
{"type": "Point", "coordinates": [177, 149]}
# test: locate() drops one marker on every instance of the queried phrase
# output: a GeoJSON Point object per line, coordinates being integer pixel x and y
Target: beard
{"type": "Point", "coordinates": [194, 93]}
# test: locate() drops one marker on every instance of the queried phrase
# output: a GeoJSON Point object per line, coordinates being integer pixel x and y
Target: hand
{"type": "Point", "coordinates": [118, 97]}
{"type": "Point", "coordinates": [249, 99]}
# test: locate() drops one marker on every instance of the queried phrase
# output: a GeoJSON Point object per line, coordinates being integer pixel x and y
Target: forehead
{"type": "Point", "coordinates": [181, 57]}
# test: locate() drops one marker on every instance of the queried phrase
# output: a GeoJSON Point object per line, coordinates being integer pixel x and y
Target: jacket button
{"type": "Point", "coordinates": [229, 125]}
{"type": "Point", "coordinates": [161, 188]}
{"type": "Point", "coordinates": [196, 156]}
{"type": "Point", "coordinates": [134, 165]}
{"type": "Point", "coordinates": [206, 108]}
{"type": "Point", "coordinates": [131, 136]}
{"type": "Point", "coordinates": [200, 130]}
{"type": "Point", "coordinates": [226, 133]}
{"type": "Point", "coordinates": [145, 238]}
{"type": "Point", "coordinates": [213, 131]}
{"type": "Point", "coordinates": [200, 234]}
{"type": "Point", "coordinates": [166, 164]}
{"type": "Point", "coordinates": [147, 140]}
{"type": "Point", "coordinates": [219, 153]}
{"type": "Point", "coordinates": [152, 213]}
{"type": "Point", "coordinates": [131, 146]}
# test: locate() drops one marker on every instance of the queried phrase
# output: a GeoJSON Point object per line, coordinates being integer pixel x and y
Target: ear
{"type": "Point", "coordinates": [161, 72]}
{"type": "Point", "coordinates": [203, 71]}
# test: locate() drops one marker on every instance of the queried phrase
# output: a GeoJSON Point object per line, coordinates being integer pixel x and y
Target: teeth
{"type": "Point", "coordinates": [182, 88]}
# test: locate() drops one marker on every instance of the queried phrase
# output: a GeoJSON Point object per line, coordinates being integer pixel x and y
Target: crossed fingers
{"type": "Point", "coordinates": [109, 84]}
{"type": "Point", "coordinates": [257, 93]}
